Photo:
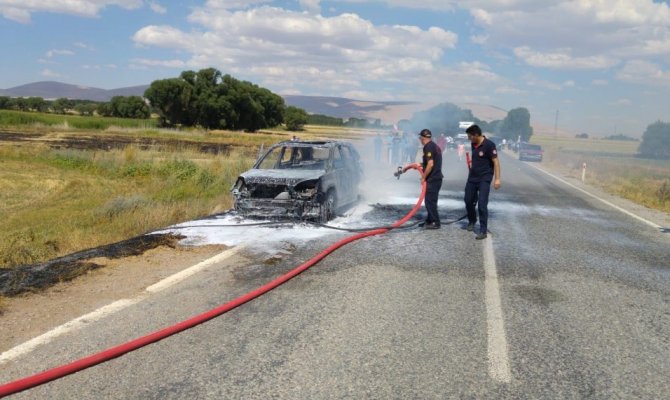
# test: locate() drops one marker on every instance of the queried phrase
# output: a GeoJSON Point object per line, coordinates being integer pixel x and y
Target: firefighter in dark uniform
{"type": "Point", "coordinates": [485, 168]}
{"type": "Point", "coordinates": [432, 175]}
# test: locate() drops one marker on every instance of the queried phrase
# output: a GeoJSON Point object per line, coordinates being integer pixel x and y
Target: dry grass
{"type": "Point", "coordinates": [612, 166]}
{"type": "Point", "coordinates": [55, 202]}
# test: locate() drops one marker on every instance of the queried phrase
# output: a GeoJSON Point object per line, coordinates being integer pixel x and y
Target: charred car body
{"type": "Point", "coordinates": [304, 180]}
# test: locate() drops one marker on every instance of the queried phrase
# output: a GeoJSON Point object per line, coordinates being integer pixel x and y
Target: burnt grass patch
{"type": "Point", "coordinates": [36, 277]}
{"type": "Point", "coordinates": [107, 143]}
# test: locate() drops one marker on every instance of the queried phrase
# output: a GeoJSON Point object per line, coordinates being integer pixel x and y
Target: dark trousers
{"type": "Point", "coordinates": [432, 192]}
{"type": "Point", "coordinates": [477, 193]}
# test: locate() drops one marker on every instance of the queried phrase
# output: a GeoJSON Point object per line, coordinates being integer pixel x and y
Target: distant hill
{"type": "Point", "coordinates": [388, 112]}
{"type": "Point", "coordinates": [53, 90]}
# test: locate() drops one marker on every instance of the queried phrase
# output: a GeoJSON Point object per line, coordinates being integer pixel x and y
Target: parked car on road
{"type": "Point", "coordinates": [305, 180]}
{"type": "Point", "coordinates": [530, 152]}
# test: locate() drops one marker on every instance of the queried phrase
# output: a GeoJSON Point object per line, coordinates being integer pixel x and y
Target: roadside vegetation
{"type": "Point", "coordinates": [122, 180]}
{"type": "Point", "coordinates": [54, 202]}
{"type": "Point", "coordinates": [612, 165]}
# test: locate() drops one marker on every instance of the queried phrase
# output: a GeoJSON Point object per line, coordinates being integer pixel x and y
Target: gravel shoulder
{"type": "Point", "coordinates": [31, 314]}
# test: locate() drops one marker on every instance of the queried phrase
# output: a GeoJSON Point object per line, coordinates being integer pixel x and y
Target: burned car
{"type": "Point", "coordinates": [300, 180]}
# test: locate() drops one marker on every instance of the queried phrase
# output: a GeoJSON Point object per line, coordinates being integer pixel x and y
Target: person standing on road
{"type": "Point", "coordinates": [378, 147]}
{"type": "Point", "coordinates": [485, 167]}
{"type": "Point", "coordinates": [442, 143]}
{"type": "Point", "coordinates": [432, 175]}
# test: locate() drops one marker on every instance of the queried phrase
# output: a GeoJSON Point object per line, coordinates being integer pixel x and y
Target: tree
{"type": "Point", "coordinates": [5, 102]}
{"type": "Point", "coordinates": [62, 105]}
{"type": "Point", "coordinates": [104, 109]}
{"type": "Point", "coordinates": [87, 109]}
{"type": "Point", "coordinates": [295, 118]}
{"type": "Point", "coordinates": [443, 118]}
{"type": "Point", "coordinates": [21, 104]}
{"type": "Point", "coordinates": [129, 107]}
{"type": "Point", "coordinates": [656, 141]}
{"type": "Point", "coordinates": [36, 104]}
{"type": "Point", "coordinates": [214, 101]}
{"type": "Point", "coordinates": [582, 135]}
{"type": "Point", "coordinates": [516, 124]}
{"type": "Point", "coordinates": [171, 98]}
{"type": "Point", "coordinates": [320, 119]}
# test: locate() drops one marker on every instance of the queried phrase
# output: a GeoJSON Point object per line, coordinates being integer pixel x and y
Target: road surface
{"type": "Point", "coordinates": [569, 297]}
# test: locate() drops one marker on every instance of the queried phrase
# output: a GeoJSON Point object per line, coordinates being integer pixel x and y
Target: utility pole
{"type": "Point", "coordinates": [556, 124]}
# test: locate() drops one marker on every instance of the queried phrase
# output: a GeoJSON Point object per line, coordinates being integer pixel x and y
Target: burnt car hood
{"type": "Point", "coordinates": [289, 177]}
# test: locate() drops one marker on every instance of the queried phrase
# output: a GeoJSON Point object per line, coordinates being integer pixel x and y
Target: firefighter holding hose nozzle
{"type": "Point", "coordinates": [432, 175]}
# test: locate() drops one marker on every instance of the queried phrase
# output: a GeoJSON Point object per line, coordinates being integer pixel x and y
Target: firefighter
{"type": "Point", "coordinates": [485, 168]}
{"type": "Point", "coordinates": [432, 175]}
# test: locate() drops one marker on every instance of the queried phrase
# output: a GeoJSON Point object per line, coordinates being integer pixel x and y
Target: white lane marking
{"type": "Point", "coordinates": [652, 224]}
{"type": "Point", "coordinates": [180, 276]}
{"type": "Point", "coordinates": [499, 368]}
{"type": "Point", "coordinates": [72, 325]}
{"type": "Point", "coordinates": [111, 308]}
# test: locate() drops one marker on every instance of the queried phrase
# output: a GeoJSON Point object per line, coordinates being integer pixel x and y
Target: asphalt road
{"type": "Point", "coordinates": [567, 298]}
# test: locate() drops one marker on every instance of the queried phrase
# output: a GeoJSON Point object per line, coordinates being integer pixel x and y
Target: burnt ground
{"type": "Point", "coordinates": [35, 277]}
{"type": "Point", "coordinates": [111, 142]}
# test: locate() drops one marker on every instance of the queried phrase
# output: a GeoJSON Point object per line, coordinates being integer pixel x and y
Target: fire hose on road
{"type": "Point", "coordinates": [119, 350]}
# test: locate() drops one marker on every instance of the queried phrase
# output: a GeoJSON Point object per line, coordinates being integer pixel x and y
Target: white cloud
{"type": "Point", "coordinates": [509, 90]}
{"type": "Point", "coordinates": [562, 59]}
{"type": "Point", "coordinates": [56, 52]}
{"type": "Point", "coordinates": [534, 81]}
{"type": "Point", "coordinates": [157, 8]}
{"type": "Point", "coordinates": [437, 5]}
{"type": "Point", "coordinates": [233, 4]}
{"type": "Point", "coordinates": [312, 6]}
{"type": "Point", "coordinates": [50, 74]}
{"type": "Point", "coordinates": [575, 34]}
{"type": "Point", "coordinates": [285, 48]}
{"type": "Point", "coordinates": [599, 82]}
{"type": "Point", "coordinates": [622, 102]}
{"type": "Point", "coordinates": [142, 63]}
{"type": "Point", "coordinates": [20, 11]}
{"type": "Point", "coordinates": [644, 72]}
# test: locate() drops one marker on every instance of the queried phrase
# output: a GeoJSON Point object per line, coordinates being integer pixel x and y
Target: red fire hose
{"type": "Point", "coordinates": [119, 350]}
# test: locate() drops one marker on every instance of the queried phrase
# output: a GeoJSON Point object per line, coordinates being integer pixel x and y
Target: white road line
{"type": "Point", "coordinates": [180, 276]}
{"type": "Point", "coordinates": [652, 224]}
{"type": "Point", "coordinates": [70, 326]}
{"type": "Point", "coordinates": [111, 308]}
{"type": "Point", "coordinates": [499, 368]}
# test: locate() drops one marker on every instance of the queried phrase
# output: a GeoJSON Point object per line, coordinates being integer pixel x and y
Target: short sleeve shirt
{"type": "Point", "coordinates": [432, 152]}
{"type": "Point", "coordinates": [482, 161]}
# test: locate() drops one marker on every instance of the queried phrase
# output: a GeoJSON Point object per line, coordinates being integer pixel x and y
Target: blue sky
{"type": "Point", "coordinates": [604, 65]}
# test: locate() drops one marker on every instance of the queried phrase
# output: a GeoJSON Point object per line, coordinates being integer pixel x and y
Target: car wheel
{"type": "Point", "coordinates": [328, 207]}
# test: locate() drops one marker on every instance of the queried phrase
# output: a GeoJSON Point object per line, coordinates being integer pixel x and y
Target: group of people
{"type": "Point", "coordinates": [396, 148]}
{"type": "Point", "coordinates": [484, 169]}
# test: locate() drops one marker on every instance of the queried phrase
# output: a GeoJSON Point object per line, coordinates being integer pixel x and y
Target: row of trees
{"type": "Point", "coordinates": [119, 106]}
{"type": "Point", "coordinates": [445, 118]}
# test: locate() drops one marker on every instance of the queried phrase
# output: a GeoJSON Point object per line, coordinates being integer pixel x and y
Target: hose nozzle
{"type": "Point", "coordinates": [398, 173]}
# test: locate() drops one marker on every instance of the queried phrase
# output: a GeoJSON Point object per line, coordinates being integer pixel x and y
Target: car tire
{"type": "Point", "coordinates": [328, 207]}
